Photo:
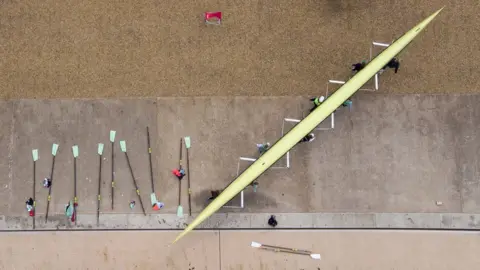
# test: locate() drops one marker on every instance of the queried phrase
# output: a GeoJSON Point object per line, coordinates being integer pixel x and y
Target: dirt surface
{"type": "Point", "coordinates": [98, 48]}
{"type": "Point", "coordinates": [231, 250]}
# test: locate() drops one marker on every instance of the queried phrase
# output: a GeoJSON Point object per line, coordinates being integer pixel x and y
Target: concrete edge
{"type": "Point", "coordinates": [251, 221]}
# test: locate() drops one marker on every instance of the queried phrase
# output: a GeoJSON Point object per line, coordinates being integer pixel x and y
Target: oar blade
{"type": "Point", "coordinates": [316, 256]}
{"type": "Point", "coordinates": [180, 211]}
{"type": "Point", "coordinates": [54, 149]}
{"type": "Point", "coordinates": [75, 151]}
{"type": "Point", "coordinates": [123, 146]}
{"type": "Point", "coordinates": [112, 135]}
{"type": "Point", "coordinates": [100, 149]}
{"type": "Point", "coordinates": [187, 142]}
{"type": "Point", "coordinates": [256, 245]}
{"type": "Point", "coordinates": [35, 154]}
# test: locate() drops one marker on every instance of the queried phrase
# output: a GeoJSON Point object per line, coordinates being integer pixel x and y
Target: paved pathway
{"type": "Point", "coordinates": [231, 250]}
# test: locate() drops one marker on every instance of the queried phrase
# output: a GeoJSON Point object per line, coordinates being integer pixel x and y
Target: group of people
{"type": "Point", "coordinates": [317, 101]}
{"type": "Point", "coordinates": [30, 203]}
{"type": "Point", "coordinates": [393, 63]}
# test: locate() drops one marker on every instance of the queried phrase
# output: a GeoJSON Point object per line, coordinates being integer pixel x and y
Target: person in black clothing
{"type": "Point", "coordinates": [310, 137]}
{"type": "Point", "coordinates": [47, 183]}
{"type": "Point", "coordinates": [358, 66]}
{"type": "Point", "coordinates": [394, 63]}
{"type": "Point", "coordinates": [29, 204]}
{"type": "Point", "coordinates": [214, 194]}
{"type": "Point", "coordinates": [272, 221]}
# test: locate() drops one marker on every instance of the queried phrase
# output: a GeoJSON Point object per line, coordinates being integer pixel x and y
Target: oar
{"type": "Point", "coordinates": [187, 145]}
{"type": "Point", "coordinates": [153, 197]}
{"type": "Point", "coordinates": [123, 147]}
{"type": "Point", "coordinates": [35, 158]}
{"type": "Point", "coordinates": [287, 250]}
{"type": "Point", "coordinates": [99, 198]}
{"type": "Point", "coordinates": [112, 141]}
{"type": "Point", "coordinates": [180, 208]}
{"type": "Point", "coordinates": [49, 198]}
{"type": "Point", "coordinates": [75, 199]}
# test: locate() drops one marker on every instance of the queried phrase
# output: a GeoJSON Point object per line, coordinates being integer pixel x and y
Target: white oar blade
{"type": "Point", "coordinates": [256, 245]}
{"type": "Point", "coordinates": [316, 256]}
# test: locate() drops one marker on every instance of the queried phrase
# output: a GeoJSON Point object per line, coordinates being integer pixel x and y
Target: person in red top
{"type": "Point", "coordinates": [179, 173]}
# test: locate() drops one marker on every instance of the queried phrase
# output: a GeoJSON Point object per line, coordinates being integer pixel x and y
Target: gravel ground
{"type": "Point", "coordinates": [100, 48]}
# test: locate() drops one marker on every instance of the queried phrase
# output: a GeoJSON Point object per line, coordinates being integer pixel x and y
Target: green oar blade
{"type": "Point", "coordinates": [112, 135]}
{"type": "Point", "coordinates": [123, 146]}
{"type": "Point", "coordinates": [35, 154]}
{"type": "Point", "coordinates": [54, 149]}
{"type": "Point", "coordinates": [100, 149]}
{"type": "Point", "coordinates": [75, 151]}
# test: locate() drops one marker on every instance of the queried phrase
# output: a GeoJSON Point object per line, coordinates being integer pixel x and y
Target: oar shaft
{"type": "Point", "coordinates": [291, 249]}
{"type": "Point", "coordinates": [284, 250]}
{"type": "Point", "coordinates": [150, 160]}
{"type": "Point", "coordinates": [135, 184]}
{"type": "Point", "coordinates": [99, 189]}
{"type": "Point", "coordinates": [34, 183]}
{"type": "Point", "coordinates": [189, 188]}
{"type": "Point", "coordinates": [113, 175]}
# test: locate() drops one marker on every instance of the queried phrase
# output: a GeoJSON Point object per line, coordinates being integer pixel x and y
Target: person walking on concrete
{"type": "Point", "coordinates": [272, 221]}
{"type": "Point", "coordinates": [310, 137]}
{"type": "Point", "coordinates": [358, 66]}
{"type": "Point", "coordinates": [317, 101]}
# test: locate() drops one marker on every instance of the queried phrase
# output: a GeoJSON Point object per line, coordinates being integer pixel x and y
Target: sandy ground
{"type": "Point", "coordinates": [149, 48]}
{"type": "Point", "coordinates": [230, 250]}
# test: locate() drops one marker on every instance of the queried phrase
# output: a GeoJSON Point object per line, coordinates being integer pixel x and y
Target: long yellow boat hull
{"type": "Point", "coordinates": [289, 140]}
